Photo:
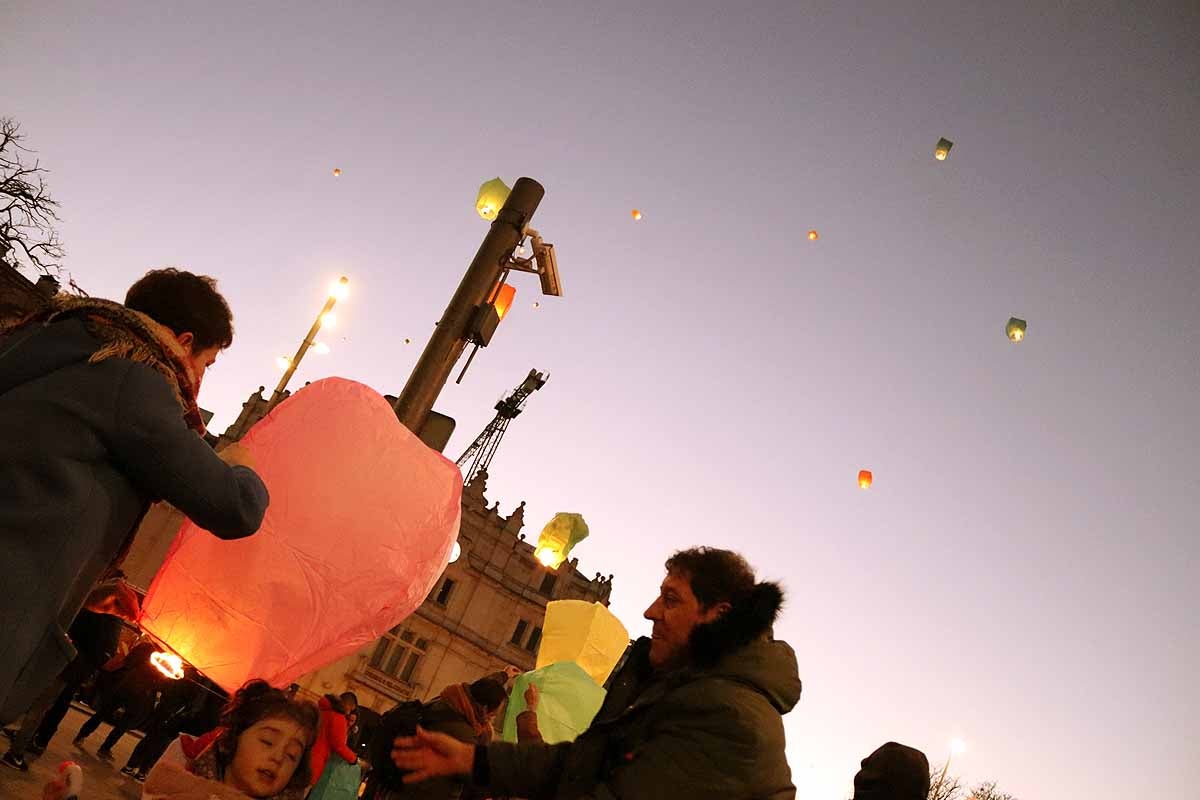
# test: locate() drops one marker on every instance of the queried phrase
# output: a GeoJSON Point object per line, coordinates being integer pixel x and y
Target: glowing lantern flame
{"type": "Point", "coordinates": [492, 195]}
{"type": "Point", "coordinates": [547, 556]}
{"type": "Point", "coordinates": [636, 215]}
{"type": "Point", "coordinates": [340, 288]}
{"type": "Point", "coordinates": [864, 478]}
{"type": "Point", "coordinates": [1015, 329]}
{"type": "Point", "coordinates": [168, 664]}
{"type": "Point", "coordinates": [337, 172]}
{"type": "Point", "coordinates": [943, 149]}
{"type": "Point", "coordinates": [283, 362]}
{"type": "Point", "coordinates": [813, 236]}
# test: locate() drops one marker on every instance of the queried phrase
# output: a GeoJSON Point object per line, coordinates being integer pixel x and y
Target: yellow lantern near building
{"type": "Point", "coordinates": [492, 195]}
{"type": "Point", "coordinates": [586, 633]}
{"type": "Point", "coordinates": [559, 536]}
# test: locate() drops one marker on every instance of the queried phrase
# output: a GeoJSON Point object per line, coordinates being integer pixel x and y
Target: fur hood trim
{"type": "Point", "coordinates": [749, 619]}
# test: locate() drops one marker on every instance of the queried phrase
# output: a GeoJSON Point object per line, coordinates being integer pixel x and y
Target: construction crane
{"type": "Point", "coordinates": [479, 455]}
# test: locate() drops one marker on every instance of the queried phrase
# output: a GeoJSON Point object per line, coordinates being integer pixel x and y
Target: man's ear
{"type": "Point", "coordinates": [716, 611]}
{"type": "Point", "coordinates": [186, 340]}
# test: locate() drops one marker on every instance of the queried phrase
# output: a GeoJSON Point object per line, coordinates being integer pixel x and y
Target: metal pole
{"type": "Point", "coordinates": [309, 341]}
{"type": "Point", "coordinates": [453, 330]}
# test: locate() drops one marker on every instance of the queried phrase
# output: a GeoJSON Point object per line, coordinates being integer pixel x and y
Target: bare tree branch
{"type": "Point", "coordinates": [28, 230]}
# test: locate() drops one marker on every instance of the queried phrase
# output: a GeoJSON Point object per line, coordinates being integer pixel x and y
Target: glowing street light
{"type": "Point", "coordinates": [320, 348]}
{"type": "Point", "coordinates": [957, 746]}
{"type": "Point", "coordinates": [326, 319]}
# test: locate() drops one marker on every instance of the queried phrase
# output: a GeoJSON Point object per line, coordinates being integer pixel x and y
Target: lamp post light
{"type": "Point", "coordinates": [326, 318]}
{"type": "Point", "coordinates": [482, 296]}
{"type": "Point", "coordinates": [957, 748]}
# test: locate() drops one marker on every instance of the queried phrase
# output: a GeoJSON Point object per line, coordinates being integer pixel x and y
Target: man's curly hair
{"type": "Point", "coordinates": [254, 702]}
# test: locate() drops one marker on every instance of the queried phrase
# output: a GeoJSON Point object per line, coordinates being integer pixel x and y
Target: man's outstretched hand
{"type": "Point", "coordinates": [114, 598]}
{"type": "Point", "coordinates": [431, 755]}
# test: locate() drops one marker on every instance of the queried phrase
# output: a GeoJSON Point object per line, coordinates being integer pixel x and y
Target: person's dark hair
{"type": "Point", "coordinates": [487, 693]}
{"type": "Point", "coordinates": [715, 575]}
{"type": "Point", "coordinates": [254, 702]}
{"type": "Point", "coordinates": [185, 303]}
{"type": "Point", "coordinates": [348, 699]}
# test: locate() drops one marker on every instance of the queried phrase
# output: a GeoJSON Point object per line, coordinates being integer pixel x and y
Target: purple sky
{"type": "Point", "coordinates": [1022, 574]}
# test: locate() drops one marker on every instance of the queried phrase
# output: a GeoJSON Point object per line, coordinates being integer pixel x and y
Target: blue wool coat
{"type": "Point", "coordinates": [84, 449]}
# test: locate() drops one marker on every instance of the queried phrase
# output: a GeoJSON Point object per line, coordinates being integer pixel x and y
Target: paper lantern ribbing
{"type": "Point", "coordinates": [346, 550]}
{"type": "Point", "coordinates": [559, 536]}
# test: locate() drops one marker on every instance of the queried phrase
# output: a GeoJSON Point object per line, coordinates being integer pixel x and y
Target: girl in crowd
{"type": "Point", "coordinates": [262, 751]}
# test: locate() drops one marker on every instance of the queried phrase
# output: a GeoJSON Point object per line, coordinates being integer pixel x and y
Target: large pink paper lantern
{"type": "Point", "coordinates": [362, 520]}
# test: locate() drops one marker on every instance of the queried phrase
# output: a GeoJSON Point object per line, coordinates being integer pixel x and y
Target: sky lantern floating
{"type": "Point", "coordinates": [537, 304]}
{"type": "Point", "coordinates": [942, 150]}
{"type": "Point", "coordinates": [865, 478]}
{"type": "Point", "coordinates": [492, 195]}
{"type": "Point", "coordinates": [337, 172]}
{"type": "Point", "coordinates": [168, 664]}
{"type": "Point", "coordinates": [407, 340]}
{"type": "Point", "coordinates": [637, 215]}
{"type": "Point", "coordinates": [581, 645]}
{"type": "Point", "coordinates": [560, 535]}
{"type": "Point", "coordinates": [1015, 329]}
{"type": "Point", "coordinates": [293, 597]}
{"type": "Point", "coordinates": [813, 236]}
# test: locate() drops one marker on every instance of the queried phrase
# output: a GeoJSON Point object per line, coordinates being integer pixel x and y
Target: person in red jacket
{"type": "Point", "coordinates": [331, 735]}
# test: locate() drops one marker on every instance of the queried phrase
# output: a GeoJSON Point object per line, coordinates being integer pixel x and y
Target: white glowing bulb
{"type": "Point", "coordinates": [958, 746]}
{"type": "Point", "coordinates": [329, 320]}
{"type": "Point", "coordinates": [340, 288]}
{"type": "Point", "coordinates": [320, 348]}
{"type": "Point", "coordinates": [456, 552]}
{"type": "Point", "coordinates": [283, 362]}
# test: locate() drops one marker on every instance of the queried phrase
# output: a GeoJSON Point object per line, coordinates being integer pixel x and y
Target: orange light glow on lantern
{"type": "Point", "coordinates": [502, 298]}
{"type": "Point", "coordinates": [865, 478]}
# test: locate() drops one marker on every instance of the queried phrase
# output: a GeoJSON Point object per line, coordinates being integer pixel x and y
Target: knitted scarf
{"type": "Point", "coordinates": [125, 333]}
{"type": "Point", "coordinates": [458, 696]}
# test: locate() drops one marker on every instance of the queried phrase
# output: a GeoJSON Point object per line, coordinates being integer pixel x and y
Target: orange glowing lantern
{"type": "Point", "coordinates": [813, 236]}
{"type": "Point", "coordinates": [337, 172]}
{"type": "Point", "coordinates": [502, 298]}
{"type": "Point", "coordinates": [864, 478]}
{"type": "Point", "coordinates": [636, 215]}
{"type": "Point", "coordinates": [168, 664]}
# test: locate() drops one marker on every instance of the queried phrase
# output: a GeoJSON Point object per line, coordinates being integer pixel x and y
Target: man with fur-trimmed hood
{"type": "Point", "coordinates": [695, 711]}
{"type": "Point", "coordinates": [98, 418]}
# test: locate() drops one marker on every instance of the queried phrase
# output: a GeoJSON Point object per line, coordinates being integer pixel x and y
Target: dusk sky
{"type": "Point", "coordinates": [1022, 574]}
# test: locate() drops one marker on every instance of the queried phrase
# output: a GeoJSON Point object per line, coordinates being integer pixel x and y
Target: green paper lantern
{"type": "Point", "coordinates": [568, 701]}
{"type": "Point", "coordinates": [492, 195]}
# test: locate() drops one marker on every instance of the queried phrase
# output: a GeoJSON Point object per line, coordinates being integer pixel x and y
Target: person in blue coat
{"type": "Point", "coordinates": [98, 418]}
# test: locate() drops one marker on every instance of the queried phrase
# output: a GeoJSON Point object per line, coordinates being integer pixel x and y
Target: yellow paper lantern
{"type": "Point", "coordinates": [813, 236]}
{"type": "Point", "coordinates": [558, 537]}
{"type": "Point", "coordinates": [865, 478]}
{"type": "Point", "coordinates": [1015, 329]}
{"type": "Point", "coordinates": [492, 195]}
{"type": "Point", "coordinates": [586, 633]}
{"type": "Point", "coordinates": [337, 173]}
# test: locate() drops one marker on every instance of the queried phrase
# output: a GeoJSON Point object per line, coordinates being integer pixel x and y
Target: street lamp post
{"type": "Point", "coordinates": [453, 330]}
{"type": "Point", "coordinates": [337, 292]}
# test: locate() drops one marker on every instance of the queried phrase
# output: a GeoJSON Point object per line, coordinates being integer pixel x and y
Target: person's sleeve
{"type": "Point", "coordinates": [162, 456]}
{"type": "Point", "coordinates": [525, 769]}
{"type": "Point", "coordinates": [702, 751]}
{"type": "Point", "coordinates": [527, 727]}
{"type": "Point", "coordinates": [340, 726]}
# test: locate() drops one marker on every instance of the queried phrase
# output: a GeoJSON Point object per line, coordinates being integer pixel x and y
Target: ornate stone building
{"type": "Point", "coordinates": [19, 295]}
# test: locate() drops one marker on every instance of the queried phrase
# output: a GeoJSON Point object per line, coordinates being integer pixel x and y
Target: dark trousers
{"type": "Point", "coordinates": [121, 711]}
{"type": "Point", "coordinates": [46, 713]}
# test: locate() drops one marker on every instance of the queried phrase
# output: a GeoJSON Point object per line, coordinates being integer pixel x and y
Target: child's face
{"type": "Point", "coordinates": [268, 753]}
